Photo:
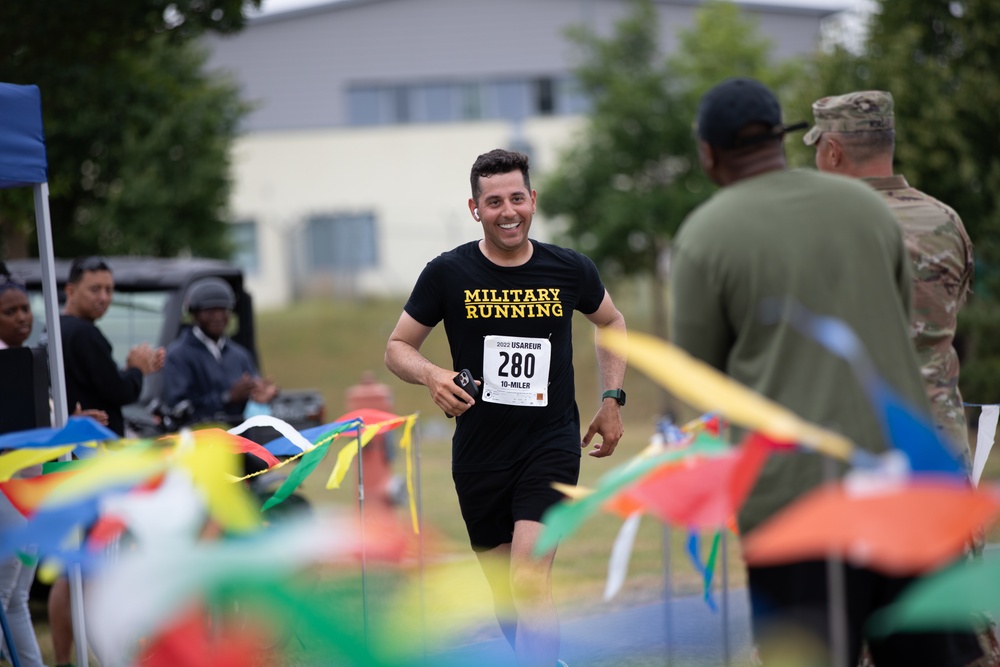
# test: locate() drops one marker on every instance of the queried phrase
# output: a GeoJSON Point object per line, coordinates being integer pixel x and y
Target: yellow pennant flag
{"type": "Point", "coordinates": [347, 453]}
{"type": "Point", "coordinates": [405, 443]}
{"type": "Point", "coordinates": [110, 469]}
{"type": "Point", "coordinates": [19, 459]}
{"type": "Point", "coordinates": [704, 388]}
{"type": "Point", "coordinates": [212, 466]}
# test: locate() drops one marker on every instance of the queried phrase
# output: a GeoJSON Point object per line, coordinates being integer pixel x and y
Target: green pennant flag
{"type": "Point", "coordinates": [564, 518]}
{"type": "Point", "coordinates": [955, 598]}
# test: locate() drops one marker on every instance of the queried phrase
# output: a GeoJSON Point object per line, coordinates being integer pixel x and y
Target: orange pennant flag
{"type": "Point", "coordinates": [27, 494]}
{"type": "Point", "coordinates": [899, 529]}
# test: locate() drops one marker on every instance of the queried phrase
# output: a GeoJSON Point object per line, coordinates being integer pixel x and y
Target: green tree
{"type": "Point", "coordinates": [625, 186]}
{"type": "Point", "coordinates": [941, 61]}
{"type": "Point", "coordinates": [137, 134]}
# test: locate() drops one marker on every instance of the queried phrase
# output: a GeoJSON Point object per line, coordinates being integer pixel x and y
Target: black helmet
{"type": "Point", "coordinates": [210, 293]}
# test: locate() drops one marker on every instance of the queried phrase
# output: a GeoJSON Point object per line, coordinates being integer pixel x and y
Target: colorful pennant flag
{"type": "Point", "coordinates": [307, 465]}
{"type": "Point", "coordinates": [77, 430]}
{"type": "Point", "coordinates": [706, 389]}
{"type": "Point", "coordinates": [564, 518]}
{"type": "Point", "coordinates": [900, 528]}
{"type": "Point", "coordinates": [18, 459]}
{"type": "Point", "coordinates": [905, 427]}
{"type": "Point", "coordinates": [702, 492]}
{"type": "Point", "coordinates": [986, 433]}
{"type": "Point", "coordinates": [376, 422]}
{"type": "Point", "coordinates": [953, 599]}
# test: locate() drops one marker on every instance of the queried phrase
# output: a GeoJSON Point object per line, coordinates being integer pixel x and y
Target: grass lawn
{"type": "Point", "coordinates": [327, 345]}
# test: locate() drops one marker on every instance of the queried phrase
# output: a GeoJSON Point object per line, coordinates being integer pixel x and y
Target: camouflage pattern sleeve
{"type": "Point", "coordinates": [941, 254]}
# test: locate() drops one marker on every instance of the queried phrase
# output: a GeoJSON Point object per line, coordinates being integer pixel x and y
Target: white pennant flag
{"type": "Point", "coordinates": [986, 434]}
{"type": "Point", "coordinates": [621, 554]}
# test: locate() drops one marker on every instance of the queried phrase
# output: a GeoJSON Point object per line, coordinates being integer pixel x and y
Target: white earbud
{"type": "Point", "coordinates": [475, 213]}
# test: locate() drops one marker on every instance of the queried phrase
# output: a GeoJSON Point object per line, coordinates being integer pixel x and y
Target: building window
{"type": "Point", "coordinates": [569, 98]}
{"type": "Point", "coordinates": [510, 100]}
{"type": "Point", "coordinates": [545, 97]}
{"type": "Point", "coordinates": [401, 105]}
{"type": "Point", "coordinates": [364, 106]}
{"type": "Point", "coordinates": [340, 242]}
{"type": "Point", "coordinates": [435, 104]}
{"type": "Point", "coordinates": [243, 238]}
{"type": "Point", "coordinates": [472, 101]}
{"type": "Point", "coordinates": [455, 101]}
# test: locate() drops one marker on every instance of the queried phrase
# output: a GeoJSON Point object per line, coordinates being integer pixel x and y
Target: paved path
{"type": "Point", "coordinates": [635, 635]}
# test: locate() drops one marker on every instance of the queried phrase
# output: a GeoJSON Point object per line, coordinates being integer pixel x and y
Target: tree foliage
{"type": "Point", "coordinates": [625, 186]}
{"type": "Point", "coordinates": [137, 134]}
{"type": "Point", "coordinates": [940, 59]}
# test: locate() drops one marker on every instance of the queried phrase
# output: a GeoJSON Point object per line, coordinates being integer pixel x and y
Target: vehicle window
{"type": "Point", "coordinates": [133, 318]}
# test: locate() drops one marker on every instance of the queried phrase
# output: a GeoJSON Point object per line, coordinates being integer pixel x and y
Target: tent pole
{"type": "Point", "coordinates": [57, 374]}
{"type": "Point", "coordinates": [364, 546]}
{"type": "Point", "coordinates": [57, 378]}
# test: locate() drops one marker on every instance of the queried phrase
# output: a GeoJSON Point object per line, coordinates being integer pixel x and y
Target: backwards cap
{"type": "Point", "coordinates": [734, 104]}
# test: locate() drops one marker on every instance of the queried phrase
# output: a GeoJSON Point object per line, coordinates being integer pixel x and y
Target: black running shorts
{"type": "Point", "coordinates": [492, 501]}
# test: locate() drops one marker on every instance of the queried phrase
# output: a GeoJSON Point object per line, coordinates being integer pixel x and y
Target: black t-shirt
{"type": "Point", "coordinates": [477, 298]}
{"type": "Point", "coordinates": [92, 378]}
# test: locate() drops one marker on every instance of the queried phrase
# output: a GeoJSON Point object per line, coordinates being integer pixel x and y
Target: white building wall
{"type": "Point", "coordinates": [414, 178]}
{"type": "Point", "coordinates": [299, 157]}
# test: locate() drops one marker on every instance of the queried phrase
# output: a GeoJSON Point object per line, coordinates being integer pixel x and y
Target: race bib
{"type": "Point", "coordinates": [516, 370]}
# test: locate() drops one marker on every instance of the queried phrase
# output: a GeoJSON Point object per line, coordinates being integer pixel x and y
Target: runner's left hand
{"type": "Point", "coordinates": [608, 424]}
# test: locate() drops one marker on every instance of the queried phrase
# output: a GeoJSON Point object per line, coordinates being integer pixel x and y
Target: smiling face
{"type": "Point", "coordinates": [505, 209]}
{"type": "Point", "coordinates": [15, 317]}
{"type": "Point", "coordinates": [212, 321]}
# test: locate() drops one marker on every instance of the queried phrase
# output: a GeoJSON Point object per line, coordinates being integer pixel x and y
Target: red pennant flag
{"type": "Point", "coordinates": [190, 641]}
{"type": "Point", "coordinates": [371, 416]}
{"type": "Point", "coordinates": [702, 492]}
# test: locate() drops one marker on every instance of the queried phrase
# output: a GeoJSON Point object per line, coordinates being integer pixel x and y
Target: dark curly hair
{"type": "Point", "coordinates": [498, 161]}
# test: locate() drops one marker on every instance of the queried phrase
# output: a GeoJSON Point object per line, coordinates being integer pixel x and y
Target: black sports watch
{"type": "Point", "coordinates": [617, 394]}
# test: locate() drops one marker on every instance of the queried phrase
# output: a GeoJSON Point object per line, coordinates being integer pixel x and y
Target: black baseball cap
{"type": "Point", "coordinates": [730, 106]}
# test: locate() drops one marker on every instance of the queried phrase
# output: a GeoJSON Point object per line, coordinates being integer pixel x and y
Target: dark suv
{"type": "Point", "coordinates": [148, 308]}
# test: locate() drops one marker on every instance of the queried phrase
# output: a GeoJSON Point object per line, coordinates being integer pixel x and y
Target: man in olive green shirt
{"type": "Point", "coordinates": [829, 244]}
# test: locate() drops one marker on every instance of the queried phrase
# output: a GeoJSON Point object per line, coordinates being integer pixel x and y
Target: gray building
{"type": "Point", "coordinates": [352, 172]}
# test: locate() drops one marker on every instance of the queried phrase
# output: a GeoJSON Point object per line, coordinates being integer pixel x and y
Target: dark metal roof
{"type": "Point", "coordinates": [137, 273]}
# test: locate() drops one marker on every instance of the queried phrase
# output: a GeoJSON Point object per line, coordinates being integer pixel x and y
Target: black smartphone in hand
{"type": "Point", "coordinates": [465, 380]}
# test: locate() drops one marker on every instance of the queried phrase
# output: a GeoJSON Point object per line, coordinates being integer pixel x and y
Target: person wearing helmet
{"type": "Point", "coordinates": [216, 375]}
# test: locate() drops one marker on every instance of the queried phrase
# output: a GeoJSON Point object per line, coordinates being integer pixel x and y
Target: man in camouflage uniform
{"type": "Point", "coordinates": [854, 135]}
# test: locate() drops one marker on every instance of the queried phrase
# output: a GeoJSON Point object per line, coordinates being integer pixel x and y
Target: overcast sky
{"type": "Point", "coordinates": [271, 6]}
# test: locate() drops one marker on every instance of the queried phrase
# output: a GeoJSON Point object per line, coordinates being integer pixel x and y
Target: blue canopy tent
{"type": "Point", "coordinates": [23, 163]}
